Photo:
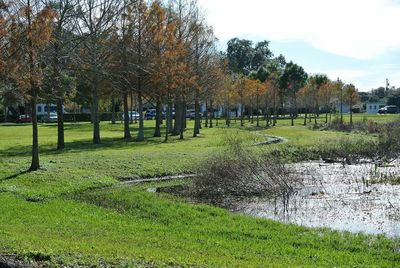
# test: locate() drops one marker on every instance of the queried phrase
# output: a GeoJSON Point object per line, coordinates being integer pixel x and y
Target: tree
{"type": "Point", "coordinates": [326, 93]}
{"type": "Point", "coordinates": [260, 91]}
{"type": "Point", "coordinates": [140, 31]}
{"type": "Point", "coordinates": [261, 55]}
{"type": "Point", "coordinates": [245, 58]}
{"type": "Point", "coordinates": [215, 82]}
{"type": "Point", "coordinates": [351, 97]}
{"type": "Point", "coordinates": [292, 79]}
{"type": "Point", "coordinates": [96, 20]}
{"type": "Point", "coordinates": [203, 51]}
{"type": "Point", "coordinates": [158, 30]}
{"type": "Point", "coordinates": [272, 94]}
{"type": "Point", "coordinates": [338, 88]}
{"type": "Point", "coordinates": [169, 69]}
{"type": "Point", "coordinates": [242, 85]}
{"type": "Point", "coordinates": [305, 99]}
{"type": "Point", "coordinates": [29, 33]}
{"type": "Point", "coordinates": [240, 53]}
{"type": "Point", "coordinates": [316, 80]}
{"type": "Point", "coordinates": [61, 51]}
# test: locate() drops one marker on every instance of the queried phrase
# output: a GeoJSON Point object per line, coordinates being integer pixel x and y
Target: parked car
{"type": "Point", "coordinates": [52, 118]}
{"type": "Point", "coordinates": [24, 118]}
{"type": "Point", "coordinates": [192, 114]}
{"type": "Point", "coordinates": [133, 115]}
{"type": "Point", "coordinates": [390, 109]}
{"type": "Point", "coordinates": [150, 114]}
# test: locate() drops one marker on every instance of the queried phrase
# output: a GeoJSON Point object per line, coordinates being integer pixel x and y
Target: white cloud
{"type": "Point", "coordinates": [362, 29]}
{"type": "Point", "coordinates": [366, 78]}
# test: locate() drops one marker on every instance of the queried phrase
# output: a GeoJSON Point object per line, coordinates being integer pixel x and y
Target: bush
{"type": "Point", "coordinates": [389, 140]}
{"type": "Point", "coordinates": [239, 171]}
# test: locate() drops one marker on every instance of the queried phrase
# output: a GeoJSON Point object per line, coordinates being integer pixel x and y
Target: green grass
{"type": "Point", "coordinates": [74, 211]}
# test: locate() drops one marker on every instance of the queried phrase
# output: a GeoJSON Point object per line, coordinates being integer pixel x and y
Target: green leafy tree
{"type": "Point", "coordinates": [292, 79]}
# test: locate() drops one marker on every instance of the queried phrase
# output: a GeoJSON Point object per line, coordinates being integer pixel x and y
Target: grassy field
{"type": "Point", "coordinates": [74, 211]}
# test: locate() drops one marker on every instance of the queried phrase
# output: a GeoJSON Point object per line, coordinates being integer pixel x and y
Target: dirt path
{"type": "Point", "coordinates": [131, 180]}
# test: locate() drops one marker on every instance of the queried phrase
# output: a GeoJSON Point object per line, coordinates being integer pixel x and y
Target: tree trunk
{"type": "Point", "coordinates": [228, 115]}
{"type": "Point", "coordinates": [351, 113]}
{"type": "Point", "coordinates": [211, 114]}
{"type": "Point", "coordinates": [140, 136]}
{"type": "Point", "coordinates": [326, 119]}
{"type": "Point", "coordinates": [275, 116]}
{"type": "Point", "coordinates": [241, 112]}
{"type": "Point", "coordinates": [95, 112]}
{"type": "Point", "coordinates": [266, 116]}
{"type": "Point", "coordinates": [207, 111]}
{"type": "Point", "coordinates": [5, 114]}
{"type": "Point", "coordinates": [292, 113]}
{"type": "Point", "coordinates": [183, 120]}
{"type": "Point", "coordinates": [294, 108]}
{"type": "Point", "coordinates": [35, 136]}
{"type": "Point", "coordinates": [341, 105]}
{"type": "Point", "coordinates": [178, 117]}
{"type": "Point", "coordinates": [251, 114]}
{"type": "Point", "coordinates": [168, 119]}
{"type": "Point", "coordinates": [258, 111]}
{"type": "Point", "coordinates": [197, 121]}
{"type": "Point", "coordinates": [131, 109]}
{"type": "Point", "coordinates": [315, 116]}
{"type": "Point", "coordinates": [60, 125]}
{"type": "Point", "coordinates": [113, 110]}
{"type": "Point", "coordinates": [305, 116]}
{"type": "Point", "coordinates": [127, 132]}
{"type": "Point", "coordinates": [157, 131]}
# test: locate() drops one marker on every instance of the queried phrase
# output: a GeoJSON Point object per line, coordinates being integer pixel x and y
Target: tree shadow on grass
{"type": "Point", "coordinates": [14, 176]}
{"type": "Point", "coordinates": [74, 146]}
{"type": "Point", "coordinates": [87, 145]}
{"type": "Point", "coordinates": [15, 125]}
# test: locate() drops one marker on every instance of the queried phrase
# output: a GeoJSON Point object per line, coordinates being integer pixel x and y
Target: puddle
{"type": "Point", "coordinates": [337, 197]}
{"type": "Point", "coordinates": [152, 190]}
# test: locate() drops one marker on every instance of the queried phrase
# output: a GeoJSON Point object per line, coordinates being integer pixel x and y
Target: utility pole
{"type": "Point", "coordinates": [387, 85]}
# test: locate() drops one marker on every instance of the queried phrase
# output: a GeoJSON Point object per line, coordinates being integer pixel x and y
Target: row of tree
{"type": "Point", "coordinates": [261, 81]}
{"type": "Point", "coordinates": [163, 52]}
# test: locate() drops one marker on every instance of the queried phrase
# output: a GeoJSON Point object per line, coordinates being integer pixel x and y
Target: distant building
{"type": "Point", "coordinates": [44, 109]}
{"type": "Point", "coordinates": [373, 107]}
{"type": "Point", "coordinates": [345, 108]}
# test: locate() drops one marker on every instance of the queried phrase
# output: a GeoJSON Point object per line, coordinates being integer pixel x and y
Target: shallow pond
{"type": "Point", "coordinates": [338, 197]}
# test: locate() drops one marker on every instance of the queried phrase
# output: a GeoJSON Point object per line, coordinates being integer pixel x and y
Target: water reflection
{"type": "Point", "coordinates": [336, 197]}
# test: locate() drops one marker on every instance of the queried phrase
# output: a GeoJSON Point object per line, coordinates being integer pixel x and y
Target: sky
{"type": "Point", "coordinates": [357, 41]}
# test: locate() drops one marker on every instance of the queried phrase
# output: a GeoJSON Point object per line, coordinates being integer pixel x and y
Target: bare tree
{"type": "Point", "coordinates": [62, 51]}
{"type": "Point", "coordinates": [96, 20]}
{"type": "Point", "coordinates": [29, 34]}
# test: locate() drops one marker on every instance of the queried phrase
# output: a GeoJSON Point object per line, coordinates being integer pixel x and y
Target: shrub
{"type": "Point", "coordinates": [239, 171]}
{"type": "Point", "coordinates": [389, 140]}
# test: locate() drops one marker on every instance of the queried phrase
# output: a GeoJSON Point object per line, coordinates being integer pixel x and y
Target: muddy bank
{"type": "Point", "coordinates": [336, 196]}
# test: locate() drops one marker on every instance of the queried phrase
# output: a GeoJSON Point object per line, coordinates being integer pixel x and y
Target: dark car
{"type": "Point", "coordinates": [191, 114]}
{"type": "Point", "coordinates": [24, 118]}
{"type": "Point", "coordinates": [390, 109]}
{"type": "Point", "coordinates": [150, 114]}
